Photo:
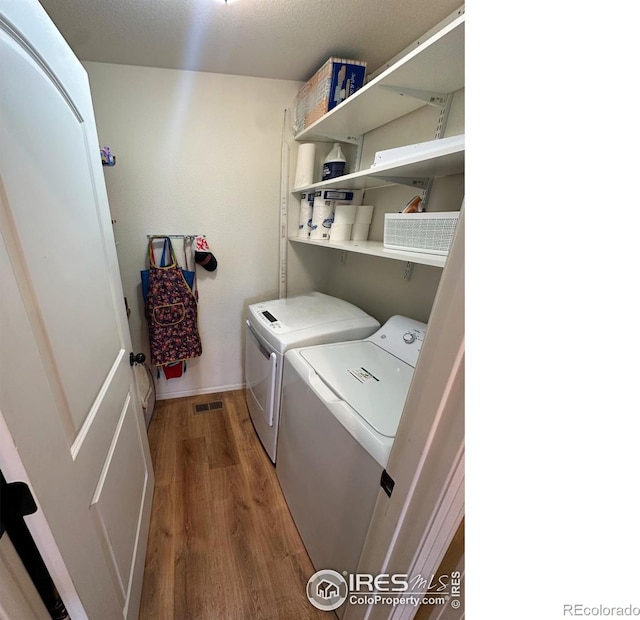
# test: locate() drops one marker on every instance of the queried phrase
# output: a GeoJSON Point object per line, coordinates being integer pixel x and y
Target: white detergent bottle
{"type": "Point", "coordinates": [334, 163]}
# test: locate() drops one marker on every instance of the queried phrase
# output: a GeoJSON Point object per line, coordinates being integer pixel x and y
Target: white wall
{"type": "Point", "coordinates": [196, 153]}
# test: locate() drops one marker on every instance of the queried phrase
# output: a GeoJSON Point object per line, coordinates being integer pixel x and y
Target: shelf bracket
{"type": "Point", "coordinates": [439, 100]}
{"type": "Point", "coordinates": [408, 271]}
{"type": "Point", "coordinates": [333, 138]}
{"type": "Point", "coordinates": [343, 257]}
{"type": "Point", "coordinates": [411, 182]}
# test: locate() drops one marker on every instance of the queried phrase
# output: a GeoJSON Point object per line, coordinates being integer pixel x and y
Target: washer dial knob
{"type": "Point", "coordinates": [409, 337]}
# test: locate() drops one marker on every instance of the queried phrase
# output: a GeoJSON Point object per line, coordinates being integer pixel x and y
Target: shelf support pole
{"type": "Point", "coordinates": [440, 129]}
{"type": "Point", "coordinates": [408, 271]}
{"type": "Point", "coordinates": [284, 206]}
{"type": "Point", "coordinates": [444, 116]}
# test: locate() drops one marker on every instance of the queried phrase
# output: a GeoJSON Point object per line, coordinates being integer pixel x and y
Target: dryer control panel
{"type": "Point", "coordinates": [402, 337]}
{"type": "Point", "coordinates": [270, 321]}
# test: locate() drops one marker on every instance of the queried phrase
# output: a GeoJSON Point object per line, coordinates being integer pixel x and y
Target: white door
{"type": "Point", "coordinates": [20, 598]}
{"type": "Point", "coordinates": [66, 386]}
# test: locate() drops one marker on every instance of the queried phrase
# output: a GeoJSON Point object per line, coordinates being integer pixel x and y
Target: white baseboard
{"type": "Point", "coordinates": [208, 390]}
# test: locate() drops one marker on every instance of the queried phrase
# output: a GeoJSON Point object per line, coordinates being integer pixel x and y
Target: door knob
{"type": "Point", "coordinates": [136, 359]}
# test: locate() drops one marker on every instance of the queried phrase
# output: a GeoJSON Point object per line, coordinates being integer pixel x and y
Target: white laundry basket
{"type": "Point", "coordinates": [431, 233]}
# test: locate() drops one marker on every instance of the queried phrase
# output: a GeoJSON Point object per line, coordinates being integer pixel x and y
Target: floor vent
{"type": "Point", "coordinates": [217, 404]}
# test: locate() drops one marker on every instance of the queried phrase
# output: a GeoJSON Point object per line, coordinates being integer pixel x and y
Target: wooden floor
{"type": "Point", "coordinates": [222, 543]}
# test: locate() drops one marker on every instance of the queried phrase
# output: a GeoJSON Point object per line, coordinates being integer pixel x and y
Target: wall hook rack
{"type": "Point", "coordinates": [185, 237]}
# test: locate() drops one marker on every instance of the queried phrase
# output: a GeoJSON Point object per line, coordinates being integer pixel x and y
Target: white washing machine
{"type": "Point", "coordinates": [274, 327]}
{"type": "Point", "coordinates": [341, 405]}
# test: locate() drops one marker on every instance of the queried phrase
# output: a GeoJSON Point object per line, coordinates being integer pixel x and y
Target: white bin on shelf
{"type": "Point", "coordinates": [431, 233]}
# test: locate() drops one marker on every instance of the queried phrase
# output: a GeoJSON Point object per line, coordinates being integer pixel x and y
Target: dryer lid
{"type": "Point", "coordinates": [308, 320]}
{"type": "Point", "coordinates": [304, 311]}
{"type": "Point", "coordinates": [370, 380]}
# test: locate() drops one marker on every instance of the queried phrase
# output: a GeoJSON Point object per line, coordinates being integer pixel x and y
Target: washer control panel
{"type": "Point", "coordinates": [402, 337]}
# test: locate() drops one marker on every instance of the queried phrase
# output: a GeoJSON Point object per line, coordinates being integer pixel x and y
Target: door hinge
{"type": "Point", "coordinates": [387, 483]}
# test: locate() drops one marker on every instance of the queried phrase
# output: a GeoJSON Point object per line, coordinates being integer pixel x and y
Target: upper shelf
{"type": "Point", "coordinates": [445, 157]}
{"type": "Point", "coordinates": [436, 65]}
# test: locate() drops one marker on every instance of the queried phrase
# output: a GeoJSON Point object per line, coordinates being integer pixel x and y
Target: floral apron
{"type": "Point", "coordinates": [172, 313]}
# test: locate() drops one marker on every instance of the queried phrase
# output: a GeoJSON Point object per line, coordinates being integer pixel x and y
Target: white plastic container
{"type": "Point", "coordinates": [334, 163]}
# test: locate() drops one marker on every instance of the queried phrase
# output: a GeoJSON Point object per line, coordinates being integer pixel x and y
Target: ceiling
{"type": "Point", "coordinates": [282, 39]}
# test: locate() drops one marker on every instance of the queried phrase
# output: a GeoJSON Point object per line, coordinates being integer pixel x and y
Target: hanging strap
{"type": "Point", "coordinates": [163, 258]}
{"type": "Point", "coordinates": [187, 264]}
{"type": "Point", "coordinates": [166, 244]}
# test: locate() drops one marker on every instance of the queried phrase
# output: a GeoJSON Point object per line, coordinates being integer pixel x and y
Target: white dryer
{"type": "Point", "coordinates": [341, 405]}
{"type": "Point", "coordinates": [274, 327]}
